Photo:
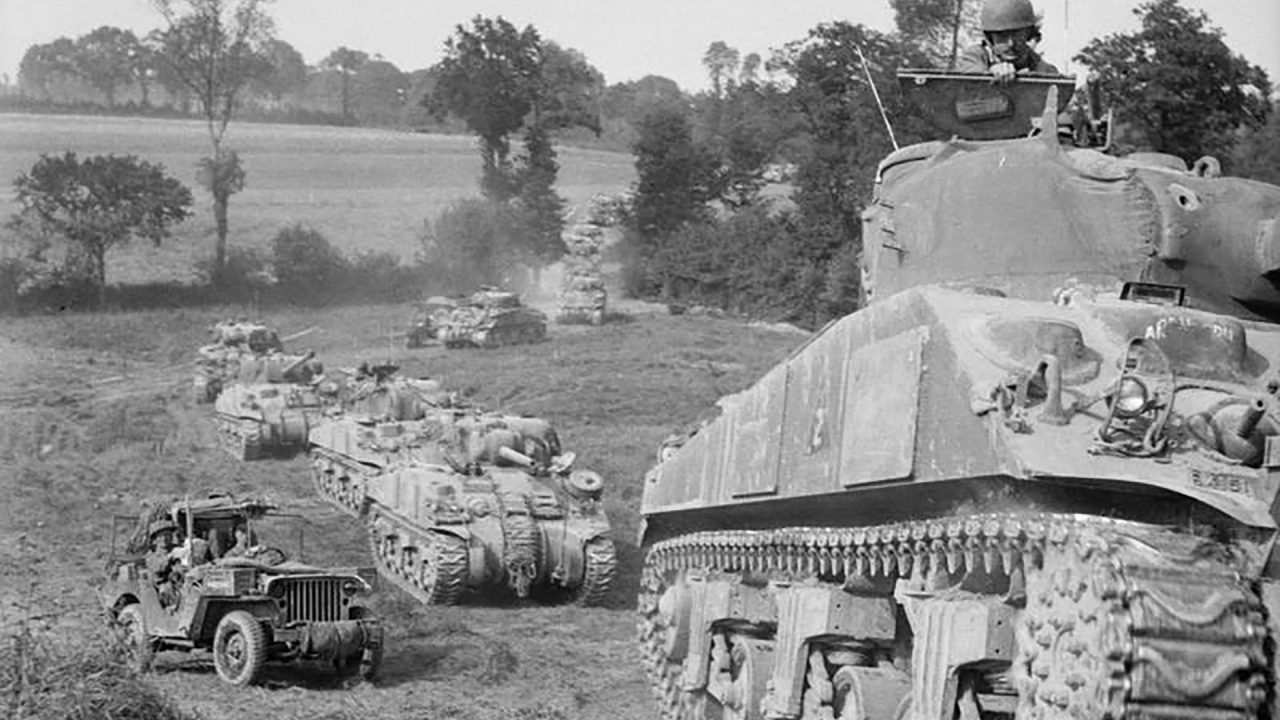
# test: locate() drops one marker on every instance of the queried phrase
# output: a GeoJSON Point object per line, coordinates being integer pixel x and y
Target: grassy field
{"type": "Point", "coordinates": [97, 416]}
{"type": "Point", "coordinates": [364, 189]}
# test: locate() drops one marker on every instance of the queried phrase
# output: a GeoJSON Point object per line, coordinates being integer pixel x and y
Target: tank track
{"type": "Point", "coordinates": [241, 438]}
{"type": "Point", "coordinates": [437, 576]}
{"type": "Point", "coordinates": [601, 559]}
{"type": "Point", "coordinates": [1122, 620]}
{"type": "Point", "coordinates": [337, 482]}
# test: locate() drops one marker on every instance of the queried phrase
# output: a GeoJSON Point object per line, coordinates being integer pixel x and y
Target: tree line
{"type": "Point", "coordinates": [749, 194]}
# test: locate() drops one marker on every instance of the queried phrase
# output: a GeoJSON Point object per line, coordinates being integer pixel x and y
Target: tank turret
{"type": "Point", "coordinates": [257, 418]}
{"type": "Point", "coordinates": [1033, 477]}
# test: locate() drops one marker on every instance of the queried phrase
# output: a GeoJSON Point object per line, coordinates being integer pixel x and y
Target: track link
{"type": "Point", "coordinates": [1122, 620]}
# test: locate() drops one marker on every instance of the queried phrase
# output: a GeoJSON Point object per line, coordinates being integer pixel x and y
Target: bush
{"type": "Point", "coordinates": [244, 272]}
{"type": "Point", "coordinates": [755, 262]}
{"type": "Point", "coordinates": [307, 267]}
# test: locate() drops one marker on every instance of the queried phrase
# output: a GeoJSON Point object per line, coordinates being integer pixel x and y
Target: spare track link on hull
{"type": "Point", "coordinates": [597, 578]}
{"type": "Point", "coordinates": [522, 546]}
{"type": "Point", "coordinates": [337, 481]}
{"type": "Point", "coordinates": [434, 573]}
{"type": "Point", "coordinates": [1122, 621]}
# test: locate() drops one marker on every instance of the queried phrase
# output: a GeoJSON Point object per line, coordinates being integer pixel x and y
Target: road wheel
{"type": "Point", "coordinates": [239, 648]}
{"type": "Point", "coordinates": [134, 639]}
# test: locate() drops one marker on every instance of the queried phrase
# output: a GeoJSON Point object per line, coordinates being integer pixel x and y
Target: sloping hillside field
{"type": "Point", "coordinates": [97, 416]}
{"type": "Point", "coordinates": [364, 189]}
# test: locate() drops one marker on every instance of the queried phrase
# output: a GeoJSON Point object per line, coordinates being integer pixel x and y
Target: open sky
{"type": "Point", "coordinates": [624, 40]}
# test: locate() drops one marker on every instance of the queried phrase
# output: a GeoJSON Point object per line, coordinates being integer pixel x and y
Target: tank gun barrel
{"type": "Point", "coordinates": [515, 457]}
{"type": "Point", "coordinates": [297, 363]}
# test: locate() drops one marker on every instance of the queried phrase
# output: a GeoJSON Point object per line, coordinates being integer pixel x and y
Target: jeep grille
{"type": "Point", "coordinates": [313, 599]}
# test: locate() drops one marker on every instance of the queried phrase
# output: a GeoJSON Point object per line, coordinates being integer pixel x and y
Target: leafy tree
{"type": "Point", "coordinates": [144, 66]}
{"type": "Point", "coordinates": [100, 202]}
{"type": "Point", "coordinates": [750, 72]}
{"type": "Point", "coordinates": [105, 58]}
{"type": "Point", "coordinates": [721, 62]}
{"type": "Point", "coordinates": [676, 178]}
{"type": "Point", "coordinates": [486, 79]}
{"type": "Point", "coordinates": [47, 63]}
{"type": "Point", "coordinates": [499, 81]}
{"type": "Point", "coordinates": [845, 140]}
{"type": "Point", "coordinates": [623, 105]}
{"type": "Point", "coordinates": [566, 90]}
{"type": "Point", "coordinates": [216, 48]}
{"type": "Point", "coordinates": [380, 92]}
{"type": "Point", "coordinates": [1176, 85]}
{"type": "Point", "coordinates": [346, 62]}
{"type": "Point", "coordinates": [937, 28]}
{"type": "Point", "coordinates": [1257, 155]}
{"type": "Point", "coordinates": [287, 72]}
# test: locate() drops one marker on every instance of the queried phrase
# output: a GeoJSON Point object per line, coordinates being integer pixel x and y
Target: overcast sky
{"type": "Point", "coordinates": [624, 40]}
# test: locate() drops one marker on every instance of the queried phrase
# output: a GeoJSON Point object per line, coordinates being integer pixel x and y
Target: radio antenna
{"type": "Point", "coordinates": [883, 115]}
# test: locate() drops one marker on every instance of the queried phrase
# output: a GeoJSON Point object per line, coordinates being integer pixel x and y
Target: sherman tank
{"type": "Point", "coordinates": [272, 406]}
{"type": "Point", "coordinates": [583, 297]}
{"type": "Point", "coordinates": [218, 363]}
{"type": "Point", "coordinates": [462, 504]}
{"type": "Point", "coordinates": [1032, 477]}
{"type": "Point", "coordinates": [492, 318]}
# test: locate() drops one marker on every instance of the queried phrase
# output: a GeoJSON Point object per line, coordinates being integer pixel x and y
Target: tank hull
{"type": "Point", "coordinates": [930, 500]}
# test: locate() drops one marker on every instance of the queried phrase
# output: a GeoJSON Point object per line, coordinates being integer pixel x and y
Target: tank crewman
{"type": "Point", "coordinates": [1010, 30]}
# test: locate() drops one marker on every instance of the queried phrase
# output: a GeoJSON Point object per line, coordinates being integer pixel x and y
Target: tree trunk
{"type": "Point", "coordinates": [220, 202]}
{"type": "Point", "coordinates": [99, 255]}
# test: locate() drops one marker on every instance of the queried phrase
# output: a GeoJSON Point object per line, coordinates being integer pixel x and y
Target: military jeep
{"type": "Point", "coordinates": [246, 603]}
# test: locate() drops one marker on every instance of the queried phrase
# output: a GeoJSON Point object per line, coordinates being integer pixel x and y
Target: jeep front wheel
{"type": "Point", "coordinates": [239, 648]}
{"type": "Point", "coordinates": [136, 643]}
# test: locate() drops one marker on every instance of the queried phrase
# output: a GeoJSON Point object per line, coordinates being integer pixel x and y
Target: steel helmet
{"type": "Point", "coordinates": [160, 526]}
{"type": "Point", "coordinates": [999, 15]}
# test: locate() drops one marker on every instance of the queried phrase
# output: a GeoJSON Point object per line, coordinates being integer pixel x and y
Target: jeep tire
{"type": "Point", "coordinates": [239, 648]}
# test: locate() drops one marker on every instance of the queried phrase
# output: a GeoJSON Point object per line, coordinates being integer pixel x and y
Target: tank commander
{"type": "Point", "coordinates": [1010, 31]}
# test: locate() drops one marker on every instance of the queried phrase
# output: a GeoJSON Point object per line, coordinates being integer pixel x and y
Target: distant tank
{"type": "Point", "coordinates": [583, 297]}
{"type": "Point", "coordinates": [272, 406]}
{"type": "Point", "coordinates": [1034, 477]}
{"type": "Point", "coordinates": [431, 316]}
{"type": "Point", "coordinates": [462, 504]}
{"type": "Point", "coordinates": [492, 318]}
{"type": "Point", "coordinates": [218, 363]}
